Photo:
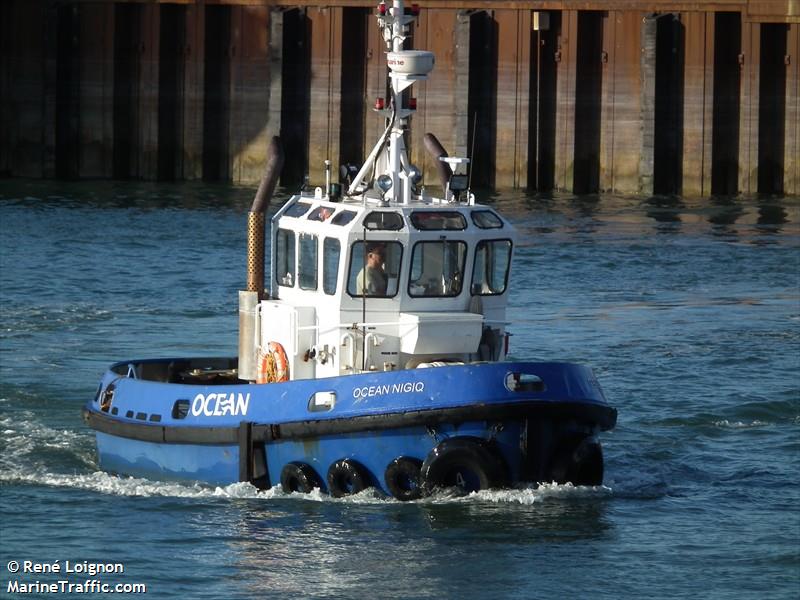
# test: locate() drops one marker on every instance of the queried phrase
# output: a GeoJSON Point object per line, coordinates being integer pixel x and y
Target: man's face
{"type": "Point", "coordinates": [375, 259]}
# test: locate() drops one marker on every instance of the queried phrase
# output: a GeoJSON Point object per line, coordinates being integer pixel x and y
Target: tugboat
{"type": "Point", "coordinates": [377, 358]}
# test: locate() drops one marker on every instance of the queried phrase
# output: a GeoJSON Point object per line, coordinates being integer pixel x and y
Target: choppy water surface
{"type": "Point", "coordinates": [689, 311]}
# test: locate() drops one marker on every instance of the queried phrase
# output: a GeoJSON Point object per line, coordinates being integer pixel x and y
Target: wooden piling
{"type": "Point", "coordinates": [513, 81]}
{"type": "Point", "coordinates": [96, 97]}
{"type": "Point", "coordinates": [326, 89]}
{"type": "Point", "coordinates": [147, 140]}
{"type": "Point", "coordinates": [193, 86]}
{"type": "Point", "coordinates": [252, 125]}
{"type": "Point", "coordinates": [188, 90]}
{"type": "Point", "coordinates": [748, 120]}
{"type": "Point", "coordinates": [647, 104]}
{"type": "Point", "coordinates": [792, 126]}
{"type": "Point", "coordinates": [566, 56]}
{"type": "Point", "coordinates": [698, 103]}
{"type": "Point", "coordinates": [621, 131]}
{"type": "Point", "coordinates": [27, 89]}
{"type": "Point", "coordinates": [442, 99]}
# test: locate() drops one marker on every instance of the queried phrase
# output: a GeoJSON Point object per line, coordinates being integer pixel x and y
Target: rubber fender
{"type": "Point", "coordinates": [578, 460]}
{"type": "Point", "coordinates": [299, 477]}
{"type": "Point", "coordinates": [402, 478]}
{"type": "Point", "coordinates": [346, 477]}
{"type": "Point", "coordinates": [468, 463]}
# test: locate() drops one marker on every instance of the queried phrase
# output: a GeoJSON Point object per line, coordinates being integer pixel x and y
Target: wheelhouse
{"type": "Point", "coordinates": [366, 286]}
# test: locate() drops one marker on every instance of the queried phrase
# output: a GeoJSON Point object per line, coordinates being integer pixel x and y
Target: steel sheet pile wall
{"type": "Point", "coordinates": [643, 97]}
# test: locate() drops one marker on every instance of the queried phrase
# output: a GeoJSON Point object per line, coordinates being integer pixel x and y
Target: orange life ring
{"type": "Point", "coordinates": [273, 365]}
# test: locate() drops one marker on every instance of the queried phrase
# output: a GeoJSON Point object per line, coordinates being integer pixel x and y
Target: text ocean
{"type": "Point", "coordinates": [219, 405]}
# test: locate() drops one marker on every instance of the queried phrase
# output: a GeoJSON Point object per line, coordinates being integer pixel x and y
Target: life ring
{"type": "Point", "coordinates": [402, 478]}
{"type": "Point", "coordinates": [578, 459]}
{"type": "Point", "coordinates": [346, 477]}
{"type": "Point", "coordinates": [467, 463]}
{"type": "Point", "coordinates": [273, 365]}
{"type": "Point", "coordinates": [299, 477]}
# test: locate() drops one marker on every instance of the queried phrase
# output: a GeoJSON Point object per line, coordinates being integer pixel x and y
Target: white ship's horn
{"type": "Point", "coordinates": [437, 151]}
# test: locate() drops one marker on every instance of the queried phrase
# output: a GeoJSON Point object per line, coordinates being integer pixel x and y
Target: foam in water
{"type": "Point", "coordinates": [105, 483]}
{"type": "Point", "coordinates": [739, 424]}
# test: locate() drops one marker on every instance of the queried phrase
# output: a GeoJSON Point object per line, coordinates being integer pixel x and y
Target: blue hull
{"type": "Point", "coordinates": [529, 422]}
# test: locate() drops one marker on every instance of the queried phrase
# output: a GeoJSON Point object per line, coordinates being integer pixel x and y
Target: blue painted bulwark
{"type": "Point", "coordinates": [376, 418]}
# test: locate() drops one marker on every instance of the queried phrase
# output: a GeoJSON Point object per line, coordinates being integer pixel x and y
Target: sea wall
{"type": "Point", "coordinates": [683, 97]}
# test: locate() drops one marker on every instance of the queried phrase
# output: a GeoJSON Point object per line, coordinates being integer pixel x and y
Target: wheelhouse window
{"type": "Point", "coordinates": [438, 220]}
{"type": "Point", "coordinates": [331, 250]}
{"type": "Point", "coordinates": [374, 269]}
{"type": "Point", "coordinates": [321, 213]}
{"type": "Point", "coordinates": [307, 271]}
{"type": "Point", "coordinates": [490, 272]}
{"type": "Point", "coordinates": [284, 258]}
{"type": "Point", "coordinates": [344, 217]}
{"type": "Point", "coordinates": [486, 219]}
{"type": "Point", "coordinates": [385, 221]}
{"type": "Point", "coordinates": [437, 269]}
{"type": "Point", "coordinates": [298, 209]}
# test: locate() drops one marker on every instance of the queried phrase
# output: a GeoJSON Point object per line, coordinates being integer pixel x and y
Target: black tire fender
{"type": "Point", "coordinates": [346, 477]}
{"type": "Point", "coordinates": [299, 477]}
{"type": "Point", "coordinates": [578, 459]}
{"type": "Point", "coordinates": [465, 462]}
{"type": "Point", "coordinates": [402, 478]}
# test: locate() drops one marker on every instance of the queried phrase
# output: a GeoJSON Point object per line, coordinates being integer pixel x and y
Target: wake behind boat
{"type": "Point", "coordinates": [378, 356]}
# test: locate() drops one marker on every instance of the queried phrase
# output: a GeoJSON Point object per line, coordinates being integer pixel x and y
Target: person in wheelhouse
{"type": "Point", "coordinates": [372, 279]}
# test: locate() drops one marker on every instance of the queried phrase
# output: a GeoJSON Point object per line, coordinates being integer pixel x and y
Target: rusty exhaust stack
{"type": "Point", "coordinates": [437, 151]}
{"type": "Point", "coordinates": [256, 232]}
{"type": "Point", "coordinates": [256, 218]}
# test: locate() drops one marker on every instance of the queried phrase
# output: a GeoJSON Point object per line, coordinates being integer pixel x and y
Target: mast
{"type": "Point", "coordinates": [406, 67]}
{"type": "Point", "coordinates": [396, 142]}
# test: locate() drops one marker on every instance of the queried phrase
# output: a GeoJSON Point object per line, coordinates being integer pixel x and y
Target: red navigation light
{"type": "Point", "coordinates": [379, 103]}
{"type": "Point", "coordinates": [415, 10]}
{"type": "Point", "coordinates": [412, 103]}
{"type": "Point", "coordinates": [382, 8]}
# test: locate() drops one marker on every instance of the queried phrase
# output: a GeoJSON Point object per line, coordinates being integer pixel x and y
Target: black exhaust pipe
{"type": "Point", "coordinates": [437, 151]}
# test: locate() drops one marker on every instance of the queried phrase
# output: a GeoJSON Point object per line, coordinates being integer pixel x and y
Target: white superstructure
{"type": "Point", "coordinates": [383, 276]}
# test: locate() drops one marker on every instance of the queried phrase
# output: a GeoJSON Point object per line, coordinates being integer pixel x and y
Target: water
{"type": "Point", "coordinates": [689, 311]}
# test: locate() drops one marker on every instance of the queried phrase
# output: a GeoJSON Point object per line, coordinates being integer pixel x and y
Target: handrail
{"type": "Point", "coordinates": [358, 325]}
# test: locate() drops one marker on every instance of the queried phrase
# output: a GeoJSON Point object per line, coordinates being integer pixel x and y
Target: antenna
{"type": "Point", "coordinates": [363, 291]}
{"type": "Point", "coordinates": [472, 149]}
